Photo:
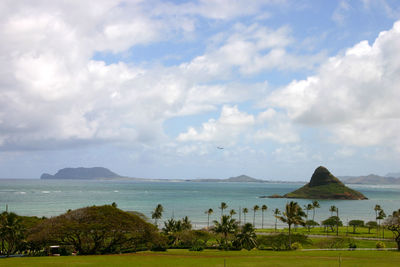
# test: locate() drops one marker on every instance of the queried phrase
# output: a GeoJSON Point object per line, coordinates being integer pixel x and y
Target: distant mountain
{"type": "Point", "coordinates": [324, 185]}
{"type": "Point", "coordinates": [243, 178]}
{"type": "Point", "coordinates": [236, 179]}
{"type": "Point", "coordinates": [370, 179]}
{"type": "Point", "coordinates": [393, 174]}
{"type": "Point", "coordinates": [82, 173]}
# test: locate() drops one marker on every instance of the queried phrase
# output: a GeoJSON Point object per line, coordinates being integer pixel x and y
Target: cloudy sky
{"type": "Point", "coordinates": [151, 88]}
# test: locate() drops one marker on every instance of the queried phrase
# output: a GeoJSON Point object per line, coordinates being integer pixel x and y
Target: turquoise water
{"type": "Point", "coordinates": [53, 197]}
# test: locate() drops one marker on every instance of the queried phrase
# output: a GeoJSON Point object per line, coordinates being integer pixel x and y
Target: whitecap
{"type": "Point", "coordinates": [46, 192]}
{"type": "Point", "coordinates": [116, 191]}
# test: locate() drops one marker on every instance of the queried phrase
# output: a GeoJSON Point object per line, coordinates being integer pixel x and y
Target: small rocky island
{"type": "Point", "coordinates": [82, 174]}
{"type": "Point", "coordinates": [324, 185]}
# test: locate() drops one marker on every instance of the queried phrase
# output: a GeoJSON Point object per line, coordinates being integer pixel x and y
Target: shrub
{"type": "Point", "coordinates": [66, 250]}
{"type": "Point", "coordinates": [281, 241]}
{"type": "Point", "coordinates": [197, 246]}
{"type": "Point", "coordinates": [297, 246]}
{"type": "Point", "coordinates": [159, 244]}
{"type": "Point", "coordinates": [380, 244]}
{"type": "Point", "coordinates": [352, 245]}
{"type": "Point", "coordinates": [337, 242]}
{"type": "Point", "coordinates": [158, 247]}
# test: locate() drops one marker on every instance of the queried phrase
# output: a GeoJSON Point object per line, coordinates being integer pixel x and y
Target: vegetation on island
{"type": "Point", "coordinates": [323, 185]}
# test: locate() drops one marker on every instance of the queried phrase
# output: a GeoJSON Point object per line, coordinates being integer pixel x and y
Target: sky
{"type": "Point", "coordinates": [151, 88]}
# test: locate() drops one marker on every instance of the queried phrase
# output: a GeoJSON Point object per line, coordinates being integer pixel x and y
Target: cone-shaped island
{"type": "Point", "coordinates": [323, 185]}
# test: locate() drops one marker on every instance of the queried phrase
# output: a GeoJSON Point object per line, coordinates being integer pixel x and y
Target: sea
{"type": "Point", "coordinates": [35, 197]}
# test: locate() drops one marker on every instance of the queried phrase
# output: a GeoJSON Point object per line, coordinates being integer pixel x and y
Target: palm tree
{"type": "Point", "coordinates": [276, 214]}
{"type": "Point", "coordinates": [171, 229]}
{"type": "Point", "coordinates": [227, 226]}
{"type": "Point", "coordinates": [263, 209]}
{"type": "Point", "coordinates": [247, 237]}
{"type": "Point", "coordinates": [255, 209]}
{"type": "Point", "coordinates": [157, 214]}
{"type": "Point", "coordinates": [186, 223]}
{"type": "Point", "coordinates": [208, 212]}
{"type": "Point", "coordinates": [232, 212]}
{"type": "Point", "coordinates": [308, 207]}
{"type": "Point", "coordinates": [315, 205]}
{"type": "Point", "coordinates": [332, 209]}
{"type": "Point", "coordinates": [222, 207]}
{"type": "Point", "coordinates": [11, 233]}
{"type": "Point", "coordinates": [381, 216]}
{"type": "Point", "coordinates": [293, 214]}
{"type": "Point", "coordinates": [377, 208]}
{"type": "Point", "coordinates": [245, 210]}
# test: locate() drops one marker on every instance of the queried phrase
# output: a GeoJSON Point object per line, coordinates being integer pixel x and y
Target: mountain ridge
{"type": "Point", "coordinates": [370, 179]}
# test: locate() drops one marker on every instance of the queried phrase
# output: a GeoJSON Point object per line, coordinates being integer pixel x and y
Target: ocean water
{"type": "Point", "coordinates": [53, 197]}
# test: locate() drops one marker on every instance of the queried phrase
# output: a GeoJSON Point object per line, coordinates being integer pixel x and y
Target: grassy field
{"type": "Point", "coordinates": [177, 258]}
{"type": "Point", "coordinates": [343, 231]}
{"type": "Point", "coordinates": [324, 243]}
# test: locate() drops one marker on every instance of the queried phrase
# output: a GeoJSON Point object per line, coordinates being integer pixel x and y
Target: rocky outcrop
{"type": "Point", "coordinates": [324, 185]}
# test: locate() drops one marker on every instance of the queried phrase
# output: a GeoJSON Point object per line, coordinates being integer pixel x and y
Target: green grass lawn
{"type": "Point", "coordinates": [177, 258]}
{"type": "Point", "coordinates": [361, 243]}
{"type": "Point", "coordinates": [343, 231]}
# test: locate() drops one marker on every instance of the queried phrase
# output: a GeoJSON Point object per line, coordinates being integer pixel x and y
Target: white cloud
{"type": "Point", "coordinates": [392, 11]}
{"type": "Point", "coordinates": [216, 9]}
{"type": "Point", "coordinates": [340, 13]}
{"type": "Point", "coordinates": [276, 127]}
{"type": "Point", "coordinates": [290, 154]}
{"type": "Point", "coordinates": [53, 94]}
{"type": "Point", "coordinates": [223, 131]}
{"type": "Point", "coordinates": [354, 95]}
{"type": "Point", "coordinates": [251, 49]}
{"type": "Point", "coordinates": [345, 152]}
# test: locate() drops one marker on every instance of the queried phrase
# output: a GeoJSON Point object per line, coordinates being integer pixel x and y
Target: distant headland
{"type": "Point", "coordinates": [82, 173]}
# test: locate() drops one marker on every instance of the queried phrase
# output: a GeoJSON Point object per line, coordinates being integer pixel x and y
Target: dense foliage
{"type": "Point", "coordinates": [293, 215]}
{"type": "Point", "coordinates": [226, 228]}
{"type": "Point", "coordinates": [332, 222]}
{"type": "Point", "coordinates": [13, 229]}
{"type": "Point", "coordinates": [177, 232]}
{"type": "Point", "coordinates": [281, 241]}
{"type": "Point", "coordinates": [393, 224]}
{"type": "Point", "coordinates": [355, 224]}
{"type": "Point", "coordinates": [95, 230]}
{"type": "Point", "coordinates": [246, 238]}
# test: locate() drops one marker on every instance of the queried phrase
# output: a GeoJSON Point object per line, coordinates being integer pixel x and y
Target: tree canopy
{"type": "Point", "coordinates": [95, 230]}
{"type": "Point", "coordinates": [392, 223]}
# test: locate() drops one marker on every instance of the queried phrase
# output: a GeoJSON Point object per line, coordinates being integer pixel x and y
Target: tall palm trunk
{"type": "Point", "coordinates": [290, 237]}
{"type": "Point", "coordinates": [262, 221]}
